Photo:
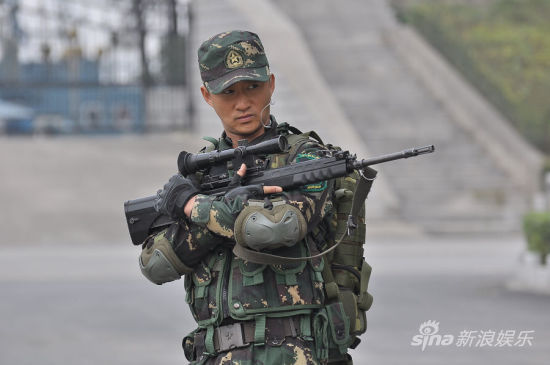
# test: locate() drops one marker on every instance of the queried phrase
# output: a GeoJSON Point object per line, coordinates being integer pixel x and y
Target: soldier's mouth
{"type": "Point", "coordinates": [245, 118]}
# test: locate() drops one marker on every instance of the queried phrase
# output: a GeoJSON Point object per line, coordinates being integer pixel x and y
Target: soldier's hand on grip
{"type": "Point", "coordinates": [176, 193]}
{"type": "Point", "coordinates": [248, 191]}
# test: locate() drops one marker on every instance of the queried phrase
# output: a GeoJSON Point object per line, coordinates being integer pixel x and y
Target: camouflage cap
{"type": "Point", "coordinates": [230, 57]}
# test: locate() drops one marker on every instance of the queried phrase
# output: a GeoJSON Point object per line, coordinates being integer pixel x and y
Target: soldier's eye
{"type": "Point", "coordinates": [227, 91]}
{"type": "Point", "coordinates": [253, 86]}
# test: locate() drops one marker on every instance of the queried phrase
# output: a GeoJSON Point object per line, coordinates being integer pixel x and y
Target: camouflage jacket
{"type": "Point", "coordinates": [223, 285]}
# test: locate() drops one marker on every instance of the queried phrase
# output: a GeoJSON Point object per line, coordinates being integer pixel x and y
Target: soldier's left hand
{"type": "Point", "coordinates": [270, 189]}
{"type": "Point", "coordinates": [248, 191]}
{"type": "Point", "coordinates": [245, 192]}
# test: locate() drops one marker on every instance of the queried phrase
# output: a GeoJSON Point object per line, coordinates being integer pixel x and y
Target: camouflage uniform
{"type": "Point", "coordinates": [280, 311]}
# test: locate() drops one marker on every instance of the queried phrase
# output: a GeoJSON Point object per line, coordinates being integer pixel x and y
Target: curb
{"type": "Point", "coordinates": [531, 276]}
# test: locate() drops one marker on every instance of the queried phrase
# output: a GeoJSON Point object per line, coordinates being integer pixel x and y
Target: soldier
{"type": "Point", "coordinates": [250, 313]}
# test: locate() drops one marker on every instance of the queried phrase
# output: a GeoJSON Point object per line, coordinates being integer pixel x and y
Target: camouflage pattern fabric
{"type": "Point", "coordinates": [218, 216]}
{"type": "Point", "coordinates": [313, 201]}
{"type": "Point", "coordinates": [223, 286]}
{"type": "Point", "coordinates": [298, 286]}
{"type": "Point", "coordinates": [192, 242]}
{"type": "Point", "coordinates": [292, 351]}
{"type": "Point", "coordinates": [230, 57]}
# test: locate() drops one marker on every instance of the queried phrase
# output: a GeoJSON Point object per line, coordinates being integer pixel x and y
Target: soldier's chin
{"type": "Point", "coordinates": [249, 129]}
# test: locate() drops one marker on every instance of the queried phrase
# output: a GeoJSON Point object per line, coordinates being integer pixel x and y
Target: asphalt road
{"type": "Point", "coordinates": [90, 305]}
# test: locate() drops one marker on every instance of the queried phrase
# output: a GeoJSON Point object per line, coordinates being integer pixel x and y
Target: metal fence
{"type": "Point", "coordinates": [62, 71]}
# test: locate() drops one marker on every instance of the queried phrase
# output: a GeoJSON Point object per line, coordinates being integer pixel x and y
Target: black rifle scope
{"type": "Point", "coordinates": [189, 163]}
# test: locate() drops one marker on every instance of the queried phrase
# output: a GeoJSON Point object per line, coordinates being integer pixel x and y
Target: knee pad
{"type": "Point", "coordinates": [159, 263]}
{"type": "Point", "coordinates": [260, 228]}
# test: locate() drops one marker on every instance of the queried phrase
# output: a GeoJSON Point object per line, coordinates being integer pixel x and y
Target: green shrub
{"type": "Point", "coordinates": [544, 171]}
{"type": "Point", "coordinates": [502, 47]}
{"type": "Point", "coordinates": [536, 226]}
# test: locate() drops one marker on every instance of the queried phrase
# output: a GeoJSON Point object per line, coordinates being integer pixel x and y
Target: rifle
{"type": "Point", "coordinates": [143, 219]}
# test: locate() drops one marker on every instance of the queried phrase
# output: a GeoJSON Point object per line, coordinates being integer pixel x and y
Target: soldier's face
{"type": "Point", "coordinates": [242, 107]}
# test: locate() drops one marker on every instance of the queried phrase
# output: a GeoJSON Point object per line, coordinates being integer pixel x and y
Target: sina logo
{"type": "Point", "coordinates": [429, 336]}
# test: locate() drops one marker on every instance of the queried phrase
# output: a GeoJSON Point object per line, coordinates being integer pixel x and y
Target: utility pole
{"type": "Point", "coordinates": [188, 65]}
{"type": "Point", "coordinates": [173, 17]}
{"type": "Point", "coordinates": [10, 44]}
{"type": "Point", "coordinates": [138, 7]}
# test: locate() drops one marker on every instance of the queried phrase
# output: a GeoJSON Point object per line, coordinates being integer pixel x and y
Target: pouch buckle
{"type": "Point", "coordinates": [230, 336]}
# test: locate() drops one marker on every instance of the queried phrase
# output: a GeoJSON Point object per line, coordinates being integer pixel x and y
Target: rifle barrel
{"type": "Point", "coordinates": [412, 152]}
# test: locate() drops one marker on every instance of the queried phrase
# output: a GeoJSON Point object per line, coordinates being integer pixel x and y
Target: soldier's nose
{"type": "Point", "coordinates": [242, 103]}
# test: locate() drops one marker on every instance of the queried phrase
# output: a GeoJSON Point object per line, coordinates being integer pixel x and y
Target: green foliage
{"type": "Point", "coordinates": [503, 48]}
{"type": "Point", "coordinates": [536, 226]}
{"type": "Point", "coordinates": [545, 169]}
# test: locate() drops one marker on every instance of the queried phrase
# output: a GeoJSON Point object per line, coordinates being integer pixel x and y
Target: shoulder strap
{"type": "Point", "coordinates": [296, 142]}
{"type": "Point", "coordinates": [315, 136]}
{"type": "Point", "coordinates": [214, 141]}
{"type": "Point", "coordinates": [285, 128]}
{"type": "Point", "coordinates": [364, 185]}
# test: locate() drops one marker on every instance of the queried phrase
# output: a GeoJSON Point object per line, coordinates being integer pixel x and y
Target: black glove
{"type": "Point", "coordinates": [172, 198]}
{"type": "Point", "coordinates": [244, 192]}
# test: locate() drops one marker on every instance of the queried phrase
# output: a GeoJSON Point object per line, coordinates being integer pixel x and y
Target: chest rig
{"type": "Point", "coordinates": [328, 286]}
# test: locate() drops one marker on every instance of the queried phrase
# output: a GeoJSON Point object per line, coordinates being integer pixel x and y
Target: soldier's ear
{"type": "Point", "coordinates": [206, 95]}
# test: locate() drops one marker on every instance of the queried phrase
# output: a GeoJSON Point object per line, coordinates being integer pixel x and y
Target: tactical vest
{"type": "Point", "coordinates": [332, 289]}
{"type": "Point", "coordinates": [346, 274]}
